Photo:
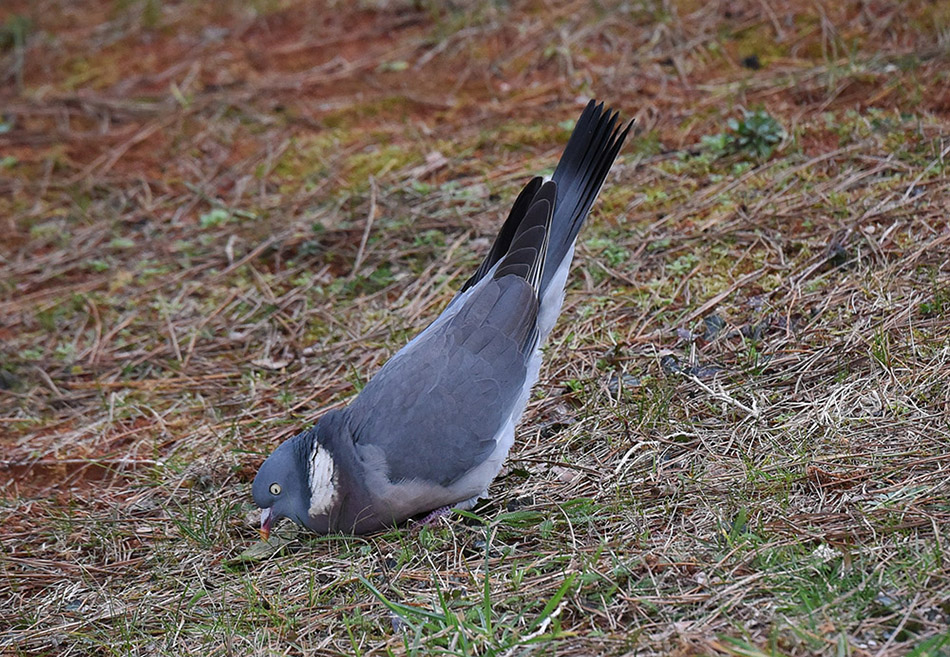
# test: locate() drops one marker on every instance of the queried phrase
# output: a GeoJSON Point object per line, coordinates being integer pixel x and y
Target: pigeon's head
{"type": "Point", "coordinates": [281, 487]}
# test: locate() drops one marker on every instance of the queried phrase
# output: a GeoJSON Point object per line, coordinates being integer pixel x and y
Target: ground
{"type": "Point", "coordinates": [219, 219]}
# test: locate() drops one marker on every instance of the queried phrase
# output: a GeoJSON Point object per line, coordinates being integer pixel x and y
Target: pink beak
{"type": "Point", "coordinates": [267, 519]}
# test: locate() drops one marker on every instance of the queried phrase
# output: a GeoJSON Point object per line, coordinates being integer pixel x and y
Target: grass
{"type": "Point", "coordinates": [220, 221]}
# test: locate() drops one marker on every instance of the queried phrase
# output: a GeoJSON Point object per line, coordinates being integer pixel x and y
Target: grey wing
{"type": "Point", "coordinates": [433, 411]}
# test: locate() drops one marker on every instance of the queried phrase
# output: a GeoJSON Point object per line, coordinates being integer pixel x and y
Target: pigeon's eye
{"type": "Point", "coordinates": [275, 489]}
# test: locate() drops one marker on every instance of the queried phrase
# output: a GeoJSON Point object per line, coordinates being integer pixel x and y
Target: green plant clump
{"type": "Point", "coordinates": [757, 133]}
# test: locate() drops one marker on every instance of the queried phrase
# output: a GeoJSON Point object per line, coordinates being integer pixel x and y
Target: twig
{"type": "Point", "coordinates": [543, 627]}
{"type": "Point", "coordinates": [49, 382]}
{"type": "Point", "coordinates": [171, 334]}
{"type": "Point", "coordinates": [936, 160]}
{"type": "Point", "coordinates": [900, 626]}
{"type": "Point", "coordinates": [371, 215]}
{"type": "Point", "coordinates": [711, 303]}
{"type": "Point", "coordinates": [752, 411]}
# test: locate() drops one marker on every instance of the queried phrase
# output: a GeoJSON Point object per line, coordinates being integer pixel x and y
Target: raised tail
{"type": "Point", "coordinates": [579, 175]}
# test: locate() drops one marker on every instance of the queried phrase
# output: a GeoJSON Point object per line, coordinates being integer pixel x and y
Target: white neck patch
{"type": "Point", "coordinates": [323, 481]}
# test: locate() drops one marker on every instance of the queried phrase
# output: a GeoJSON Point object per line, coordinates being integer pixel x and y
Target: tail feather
{"type": "Point", "coordinates": [534, 244]}
{"type": "Point", "coordinates": [579, 175]}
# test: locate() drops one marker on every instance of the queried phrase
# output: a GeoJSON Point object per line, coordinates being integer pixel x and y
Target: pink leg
{"type": "Point", "coordinates": [432, 517]}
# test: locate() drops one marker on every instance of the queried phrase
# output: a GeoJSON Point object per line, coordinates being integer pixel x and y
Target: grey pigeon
{"type": "Point", "coordinates": [430, 431]}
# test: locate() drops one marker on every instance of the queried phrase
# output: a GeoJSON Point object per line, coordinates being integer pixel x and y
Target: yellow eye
{"type": "Point", "coordinates": [275, 489]}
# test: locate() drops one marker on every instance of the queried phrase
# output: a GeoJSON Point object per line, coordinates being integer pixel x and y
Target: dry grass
{"type": "Point", "coordinates": [219, 220]}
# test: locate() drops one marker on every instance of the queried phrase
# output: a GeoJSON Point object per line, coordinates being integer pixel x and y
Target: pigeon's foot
{"type": "Point", "coordinates": [432, 517]}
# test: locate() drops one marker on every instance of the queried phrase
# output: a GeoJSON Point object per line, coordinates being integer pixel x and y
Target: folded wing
{"type": "Point", "coordinates": [433, 412]}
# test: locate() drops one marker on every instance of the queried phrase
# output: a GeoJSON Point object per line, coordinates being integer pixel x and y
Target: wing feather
{"type": "Point", "coordinates": [503, 240]}
{"type": "Point", "coordinates": [432, 413]}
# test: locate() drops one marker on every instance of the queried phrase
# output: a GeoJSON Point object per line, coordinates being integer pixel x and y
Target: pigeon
{"type": "Point", "coordinates": [431, 429]}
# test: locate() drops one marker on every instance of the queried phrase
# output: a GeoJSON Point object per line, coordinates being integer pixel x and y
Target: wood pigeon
{"type": "Point", "coordinates": [430, 431]}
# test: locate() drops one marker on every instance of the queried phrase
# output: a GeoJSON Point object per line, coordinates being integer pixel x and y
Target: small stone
{"type": "Point", "coordinates": [397, 622]}
{"type": "Point", "coordinates": [623, 382]}
{"type": "Point", "coordinates": [670, 364]}
{"type": "Point", "coordinates": [712, 325]}
{"type": "Point", "coordinates": [752, 62]}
